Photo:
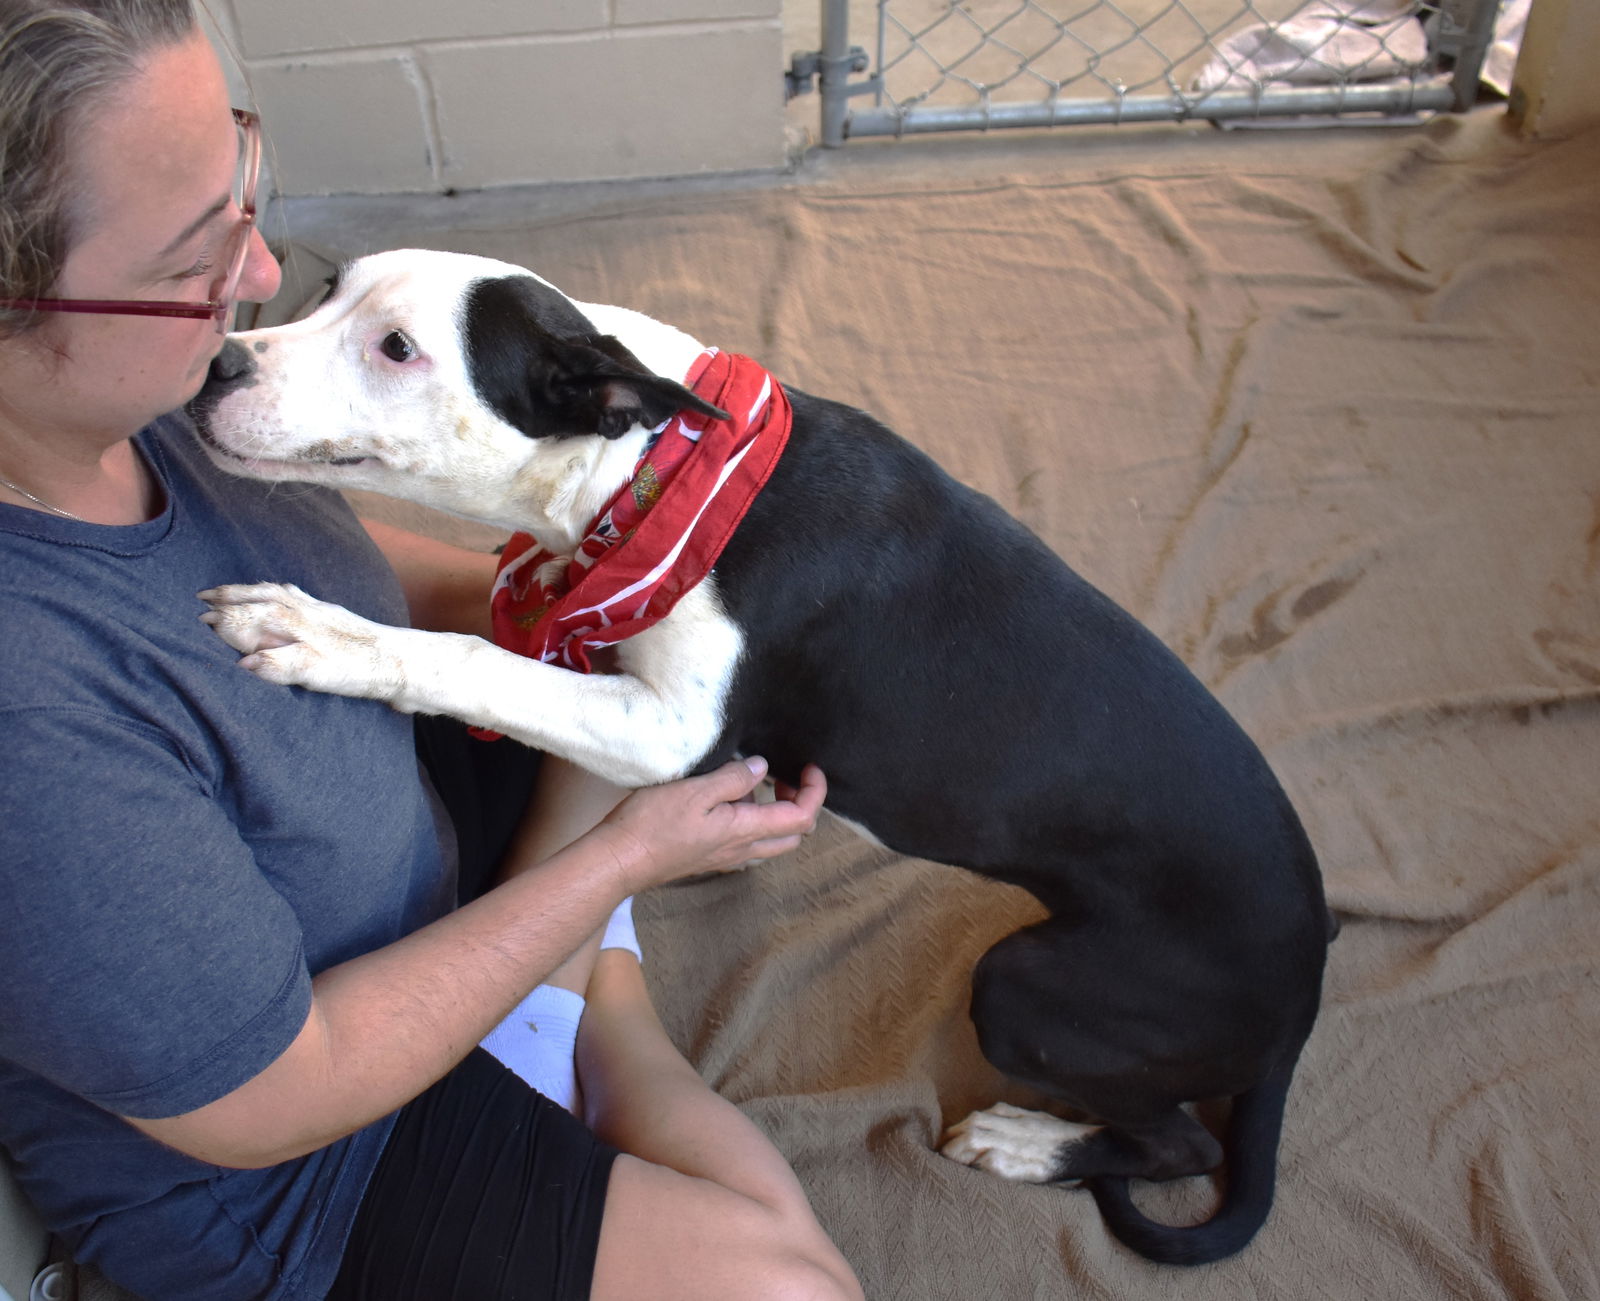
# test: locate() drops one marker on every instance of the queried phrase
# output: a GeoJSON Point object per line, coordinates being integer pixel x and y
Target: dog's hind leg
{"type": "Point", "coordinates": [1060, 1008]}
{"type": "Point", "coordinates": [1121, 1024]}
{"type": "Point", "coordinates": [1035, 1147]}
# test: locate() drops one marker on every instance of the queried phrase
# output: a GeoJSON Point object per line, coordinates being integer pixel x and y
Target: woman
{"type": "Point", "coordinates": [237, 1048]}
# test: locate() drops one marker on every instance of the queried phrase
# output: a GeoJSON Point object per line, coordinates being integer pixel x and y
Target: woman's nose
{"type": "Point", "coordinates": [261, 276]}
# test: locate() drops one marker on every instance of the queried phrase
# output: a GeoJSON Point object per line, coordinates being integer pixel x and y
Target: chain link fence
{"type": "Point", "coordinates": [945, 65]}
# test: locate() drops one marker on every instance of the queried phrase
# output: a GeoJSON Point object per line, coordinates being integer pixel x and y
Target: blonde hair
{"type": "Point", "coordinates": [58, 60]}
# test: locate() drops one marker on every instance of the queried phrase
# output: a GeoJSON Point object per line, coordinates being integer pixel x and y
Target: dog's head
{"type": "Point", "coordinates": [459, 382]}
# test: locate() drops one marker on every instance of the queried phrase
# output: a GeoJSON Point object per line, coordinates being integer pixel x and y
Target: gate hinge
{"type": "Point", "coordinates": [805, 67]}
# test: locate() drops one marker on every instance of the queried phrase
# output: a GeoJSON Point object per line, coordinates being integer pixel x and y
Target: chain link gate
{"type": "Point", "coordinates": [952, 65]}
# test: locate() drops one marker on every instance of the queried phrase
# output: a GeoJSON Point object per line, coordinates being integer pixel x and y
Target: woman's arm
{"type": "Point", "coordinates": [446, 587]}
{"type": "Point", "coordinates": [386, 1025]}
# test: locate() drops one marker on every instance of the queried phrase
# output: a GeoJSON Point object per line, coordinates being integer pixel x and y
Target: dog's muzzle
{"type": "Point", "coordinates": [231, 368]}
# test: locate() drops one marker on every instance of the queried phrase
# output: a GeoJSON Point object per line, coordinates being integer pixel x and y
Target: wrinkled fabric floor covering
{"type": "Point", "coordinates": [1327, 416]}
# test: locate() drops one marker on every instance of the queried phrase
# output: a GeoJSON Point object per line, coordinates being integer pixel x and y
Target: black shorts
{"type": "Point", "coordinates": [486, 1191]}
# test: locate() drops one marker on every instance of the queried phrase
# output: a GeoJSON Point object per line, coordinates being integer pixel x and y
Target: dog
{"type": "Point", "coordinates": [971, 699]}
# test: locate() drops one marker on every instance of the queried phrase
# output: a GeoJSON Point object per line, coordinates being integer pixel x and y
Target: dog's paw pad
{"type": "Point", "coordinates": [1025, 1146]}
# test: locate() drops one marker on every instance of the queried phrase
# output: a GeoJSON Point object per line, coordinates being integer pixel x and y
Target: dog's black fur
{"type": "Point", "coordinates": [974, 701]}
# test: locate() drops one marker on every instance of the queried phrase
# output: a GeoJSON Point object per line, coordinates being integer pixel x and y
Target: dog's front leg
{"type": "Point", "coordinates": [634, 729]}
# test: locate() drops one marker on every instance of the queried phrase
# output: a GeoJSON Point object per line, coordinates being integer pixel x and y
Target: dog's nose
{"type": "Point", "coordinates": [232, 365]}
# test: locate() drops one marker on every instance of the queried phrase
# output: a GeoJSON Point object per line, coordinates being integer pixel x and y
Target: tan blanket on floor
{"type": "Point", "coordinates": [1324, 411]}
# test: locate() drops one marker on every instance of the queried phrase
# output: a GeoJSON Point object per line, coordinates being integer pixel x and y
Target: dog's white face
{"type": "Point", "coordinates": [462, 383]}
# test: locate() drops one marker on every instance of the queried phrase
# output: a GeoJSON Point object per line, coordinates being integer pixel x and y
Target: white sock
{"type": "Point", "coordinates": [538, 1039]}
{"type": "Point", "coordinates": [619, 930]}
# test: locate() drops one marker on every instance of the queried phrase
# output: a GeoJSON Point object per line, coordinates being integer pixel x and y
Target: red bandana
{"type": "Point", "coordinates": [662, 532]}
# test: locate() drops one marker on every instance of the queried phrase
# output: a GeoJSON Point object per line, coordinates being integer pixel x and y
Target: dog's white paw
{"type": "Point", "coordinates": [293, 639]}
{"type": "Point", "coordinates": [1008, 1141]}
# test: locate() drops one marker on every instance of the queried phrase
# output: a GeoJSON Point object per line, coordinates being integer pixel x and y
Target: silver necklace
{"type": "Point", "coordinates": [55, 510]}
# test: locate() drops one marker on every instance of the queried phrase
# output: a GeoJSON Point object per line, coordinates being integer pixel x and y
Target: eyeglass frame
{"type": "Point", "coordinates": [212, 309]}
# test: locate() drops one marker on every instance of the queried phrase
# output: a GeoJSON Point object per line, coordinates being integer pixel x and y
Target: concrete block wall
{"type": "Point", "coordinates": [407, 96]}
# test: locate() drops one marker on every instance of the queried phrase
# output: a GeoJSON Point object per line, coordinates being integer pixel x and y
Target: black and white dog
{"type": "Point", "coordinates": [970, 698]}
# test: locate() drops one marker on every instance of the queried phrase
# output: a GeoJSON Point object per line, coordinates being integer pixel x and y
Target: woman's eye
{"type": "Point", "coordinates": [397, 347]}
{"type": "Point", "coordinates": [200, 268]}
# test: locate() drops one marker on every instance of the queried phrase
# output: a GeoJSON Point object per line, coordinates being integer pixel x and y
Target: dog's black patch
{"type": "Point", "coordinates": [538, 363]}
{"type": "Point", "coordinates": [975, 702]}
{"type": "Point", "coordinates": [333, 280]}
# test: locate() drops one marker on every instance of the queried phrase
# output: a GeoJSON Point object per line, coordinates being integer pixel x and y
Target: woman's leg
{"type": "Point", "coordinates": [538, 1038]}
{"type": "Point", "coordinates": [566, 802]}
{"type": "Point", "coordinates": [701, 1205]}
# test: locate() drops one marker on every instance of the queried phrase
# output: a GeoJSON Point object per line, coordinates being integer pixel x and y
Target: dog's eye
{"type": "Point", "coordinates": [397, 347]}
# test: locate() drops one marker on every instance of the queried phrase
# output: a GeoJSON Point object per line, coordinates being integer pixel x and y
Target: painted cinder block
{"type": "Point", "coordinates": [351, 126]}
{"type": "Point", "coordinates": [275, 27]}
{"type": "Point", "coordinates": [666, 103]}
{"type": "Point", "coordinates": [631, 12]}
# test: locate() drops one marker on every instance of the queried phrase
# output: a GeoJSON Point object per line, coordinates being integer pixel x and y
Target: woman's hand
{"type": "Point", "coordinates": [708, 824]}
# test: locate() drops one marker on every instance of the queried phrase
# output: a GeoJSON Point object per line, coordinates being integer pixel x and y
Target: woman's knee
{"type": "Point", "coordinates": [804, 1279]}
{"type": "Point", "coordinates": [667, 1235]}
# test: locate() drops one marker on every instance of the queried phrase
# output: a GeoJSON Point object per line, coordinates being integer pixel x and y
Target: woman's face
{"type": "Point", "coordinates": [155, 172]}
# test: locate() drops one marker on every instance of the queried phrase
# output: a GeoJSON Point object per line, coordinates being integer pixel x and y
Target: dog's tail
{"type": "Point", "coordinates": [1251, 1149]}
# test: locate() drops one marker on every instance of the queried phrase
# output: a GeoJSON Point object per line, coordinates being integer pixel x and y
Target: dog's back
{"type": "Point", "coordinates": [976, 702]}
{"type": "Point", "coordinates": [908, 634]}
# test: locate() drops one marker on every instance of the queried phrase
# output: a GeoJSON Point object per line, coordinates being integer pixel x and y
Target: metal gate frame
{"type": "Point", "coordinates": [1462, 35]}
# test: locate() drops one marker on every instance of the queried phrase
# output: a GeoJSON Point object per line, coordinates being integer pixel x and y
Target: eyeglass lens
{"type": "Point", "coordinates": [237, 251]}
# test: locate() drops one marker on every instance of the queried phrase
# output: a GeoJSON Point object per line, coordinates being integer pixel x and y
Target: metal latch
{"type": "Point", "coordinates": [806, 66]}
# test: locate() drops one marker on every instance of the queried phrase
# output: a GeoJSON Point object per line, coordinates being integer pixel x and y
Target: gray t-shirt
{"type": "Point", "coordinates": [182, 846]}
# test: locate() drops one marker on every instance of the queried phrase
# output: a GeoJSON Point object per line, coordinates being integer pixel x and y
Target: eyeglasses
{"type": "Point", "coordinates": [219, 302]}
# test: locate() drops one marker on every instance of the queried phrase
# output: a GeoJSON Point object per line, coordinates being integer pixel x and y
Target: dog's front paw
{"type": "Point", "coordinates": [1025, 1146]}
{"type": "Point", "coordinates": [293, 639]}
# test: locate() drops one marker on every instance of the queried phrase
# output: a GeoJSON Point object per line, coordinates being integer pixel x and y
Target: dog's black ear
{"type": "Point", "coordinates": [607, 389]}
